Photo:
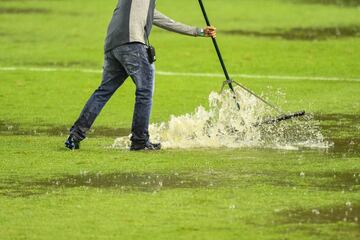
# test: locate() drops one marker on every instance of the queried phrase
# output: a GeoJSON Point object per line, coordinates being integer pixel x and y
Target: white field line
{"type": "Point", "coordinates": [187, 74]}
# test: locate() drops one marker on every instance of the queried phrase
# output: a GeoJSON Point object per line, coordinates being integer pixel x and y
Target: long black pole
{"type": "Point", "coordinates": [214, 41]}
{"type": "Point", "coordinates": [217, 47]}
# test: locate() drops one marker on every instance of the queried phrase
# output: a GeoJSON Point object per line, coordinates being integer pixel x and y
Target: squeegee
{"type": "Point", "coordinates": [282, 115]}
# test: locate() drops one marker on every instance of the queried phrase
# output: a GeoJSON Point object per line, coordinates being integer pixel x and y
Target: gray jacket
{"type": "Point", "coordinates": [132, 22]}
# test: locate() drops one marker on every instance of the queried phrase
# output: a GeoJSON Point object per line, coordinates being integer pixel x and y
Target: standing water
{"type": "Point", "coordinates": [224, 125]}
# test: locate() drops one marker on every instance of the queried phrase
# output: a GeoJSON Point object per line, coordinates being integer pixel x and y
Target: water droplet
{"type": "Point", "coordinates": [315, 211]}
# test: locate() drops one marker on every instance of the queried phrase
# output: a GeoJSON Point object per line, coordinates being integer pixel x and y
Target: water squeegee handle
{"type": "Point", "coordinates": [283, 118]}
{"type": "Point", "coordinates": [216, 46]}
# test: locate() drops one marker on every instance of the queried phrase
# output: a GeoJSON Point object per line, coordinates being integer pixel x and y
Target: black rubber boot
{"type": "Point", "coordinates": [72, 144]}
{"type": "Point", "coordinates": [148, 146]}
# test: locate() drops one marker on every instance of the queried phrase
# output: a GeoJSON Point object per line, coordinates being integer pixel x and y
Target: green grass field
{"type": "Point", "coordinates": [47, 192]}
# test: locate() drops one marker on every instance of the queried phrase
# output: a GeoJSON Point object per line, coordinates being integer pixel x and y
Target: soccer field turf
{"type": "Point", "coordinates": [50, 63]}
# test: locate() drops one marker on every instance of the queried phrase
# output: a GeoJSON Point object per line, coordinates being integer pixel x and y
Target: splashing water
{"type": "Point", "coordinates": [224, 125]}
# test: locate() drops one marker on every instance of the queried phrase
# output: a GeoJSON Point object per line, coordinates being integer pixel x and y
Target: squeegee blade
{"type": "Point", "coordinates": [282, 118]}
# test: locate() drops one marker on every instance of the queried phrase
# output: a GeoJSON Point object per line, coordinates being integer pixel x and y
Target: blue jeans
{"type": "Point", "coordinates": [120, 63]}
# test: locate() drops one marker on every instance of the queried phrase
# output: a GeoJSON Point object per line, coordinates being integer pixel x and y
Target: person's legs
{"type": "Point", "coordinates": [113, 77]}
{"type": "Point", "coordinates": [134, 59]}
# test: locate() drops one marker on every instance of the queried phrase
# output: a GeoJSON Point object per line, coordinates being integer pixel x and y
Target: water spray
{"type": "Point", "coordinates": [282, 115]}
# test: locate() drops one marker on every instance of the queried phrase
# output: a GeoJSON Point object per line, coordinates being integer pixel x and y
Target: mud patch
{"type": "Point", "coordinates": [9, 128]}
{"type": "Point", "coordinates": [4, 10]}
{"type": "Point", "coordinates": [342, 3]}
{"type": "Point", "coordinates": [132, 181]}
{"type": "Point", "coordinates": [305, 34]}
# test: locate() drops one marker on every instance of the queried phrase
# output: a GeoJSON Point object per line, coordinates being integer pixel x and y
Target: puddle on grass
{"type": "Point", "coordinates": [9, 128]}
{"type": "Point", "coordinates": [342, 3]}
{"type": "Point", "coordinates": [343, 130]}
{"type": "Point", "coordinates": [345, 126]}
{"type": "Point", "coordinates": [338, 181]}
{"type": "Point", "coordinates": [152, 182]}
{"type": "Point", "coordinates": [348, 212]}
{"type": "Point", "coordinates": [223, 125]}
{"type": "Point", "coordinates": [132, 181]}
{"type": "Point", "coordinates": [345, 146]}
{"type": "Point", "coordinates": [4, 10]}
{"type": "Point", "coordinates": [306, 34]}
{"type": "Point", "coordinates": [316, 181]}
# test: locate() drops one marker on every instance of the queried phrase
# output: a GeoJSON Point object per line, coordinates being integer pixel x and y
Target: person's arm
{"type": "Point", "coordinates": [162, 21]}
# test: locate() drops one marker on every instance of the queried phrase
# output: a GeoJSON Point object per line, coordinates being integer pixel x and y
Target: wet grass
{"type": "Point", "coordinates": [349, 213]}
{"type": "Point", "coordinates": [343, 3]}
{"type": "Point", "coordinates": [346, 126]}
{"type": "Point", "coordinates": [47, 192]}
{"type": "Point", "coordinates": [4, 10]}
{"type": "Point", "coordinates": [346, 181]}
{"type": "Point", "coordinates": [344, 219]}
{"type": "Point", "coordinates": [318, 181]}
{"type": "Point", "coordinates": [305, 34]}
{"type": "Point", "coordinates": [69, 64]}
{"type": "Point", "coordinates": [246, 185]}
{"type": "Point", "coordinates": [130, 181]}
{"type": "Point", "coordinates": [9, 128]}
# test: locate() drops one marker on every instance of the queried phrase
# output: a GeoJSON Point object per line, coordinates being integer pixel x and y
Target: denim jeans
{"type": "Point", "coordinates": [120, 63]}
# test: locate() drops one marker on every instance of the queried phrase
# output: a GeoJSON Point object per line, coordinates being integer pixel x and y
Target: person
{"type": "Point", "coordinates": [127, 54]}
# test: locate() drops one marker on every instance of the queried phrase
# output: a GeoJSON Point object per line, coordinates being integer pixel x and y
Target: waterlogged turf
{"type": "Point", "coordinates": [257, 192]}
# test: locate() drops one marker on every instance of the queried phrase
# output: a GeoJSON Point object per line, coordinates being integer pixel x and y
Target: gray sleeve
{"type": "Point", "coordinates": [162, 21]}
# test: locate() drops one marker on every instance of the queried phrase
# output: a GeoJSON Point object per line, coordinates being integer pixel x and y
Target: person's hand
{"type": "Point", "coordinates": [210, 31]}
